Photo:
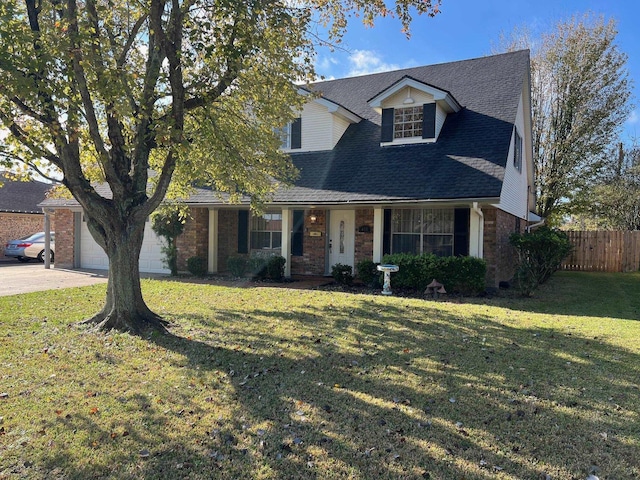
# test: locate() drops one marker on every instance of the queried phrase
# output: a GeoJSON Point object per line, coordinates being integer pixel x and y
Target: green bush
{"type": "Point", "coordinates": [464, 275]}
{"type": "Point", "coordinates": [263, 267]}
{"type": "Point", "coordinates": [343, 274]}
{"type": "Point", "coordinates": [540, 253]}
{"type": "Point", "coordinates": [168, 222]}
{"type": "Point", "coordinates": [275, 267]}
{"type": "Point", "coordinates": [258, 266]}
{"type": "Point", "coordinates": [368, 273]}
{"type": "Point", "coordinates": [197, 266]}
{"type": "Point", "coordinates": [237, 266]}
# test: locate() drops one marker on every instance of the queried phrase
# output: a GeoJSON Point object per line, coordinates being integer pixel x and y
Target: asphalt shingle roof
{"type": "Point", "coordinates": [467, 161]}
{"type": "Point", "coordinates": [22, 197]}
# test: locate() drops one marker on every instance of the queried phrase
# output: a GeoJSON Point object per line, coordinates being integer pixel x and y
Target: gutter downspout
{"type": "Point", "coordinates": [535, 225]}
{"type": "Point", "coordinates": [478, 212]}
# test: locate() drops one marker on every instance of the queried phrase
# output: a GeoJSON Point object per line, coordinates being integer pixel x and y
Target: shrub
{"type": "Point", "coordinates": [275, 267]}
{"type": "Point", "coordinates": [464, 275]}
{"type": "Point", "coordinates": [416, 271]}
{"type": "Point", "coordinates": [540, 253]}
{"type": "Point", "coordinates": [368, 273]}
{"type": "Point", "coordinates": [258, 266]}
{"type": "Point", "coordinates": [168, 222]}
{"type": "Point", "coordinates": [343, 274]}
{"type": "Point", "coordinates": [197, 266]}
{"type": "Point", "coordinates": [237, 266]}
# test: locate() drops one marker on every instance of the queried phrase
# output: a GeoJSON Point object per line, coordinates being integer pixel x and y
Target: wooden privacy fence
{"type": "Point", "coordinates": [604, 251]}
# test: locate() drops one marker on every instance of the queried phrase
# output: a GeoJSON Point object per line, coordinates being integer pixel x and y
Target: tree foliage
{"type": "Point", "coordinates": [154, 96]}
{"type": "Point", "coordinates": [614, 201]}
{"type": "Point", "coordinates": [580, 97]}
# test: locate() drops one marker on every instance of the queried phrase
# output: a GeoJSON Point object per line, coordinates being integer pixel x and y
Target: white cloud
{"type": "Point", "coordinates": [364, 62]}
{"type": "Point", "coordinates": [633, 118]}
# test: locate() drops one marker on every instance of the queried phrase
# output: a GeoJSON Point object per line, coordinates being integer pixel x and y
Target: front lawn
{"type": "Point", "coordinates": [266, 383]}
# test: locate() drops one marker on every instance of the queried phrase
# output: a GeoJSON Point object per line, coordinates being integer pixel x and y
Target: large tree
{"type": "Point", "coordinates": [580, 98]}
{"type": "Point", "coordinates": [614, 201]}
{"type": "Point", "coordinates": [149, 95]}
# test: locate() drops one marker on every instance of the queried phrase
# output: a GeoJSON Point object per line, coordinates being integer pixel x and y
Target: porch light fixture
{"type": "Point", "coordinates": [408, 100]}
{"type": "Point", "coordinates": [313, 218]}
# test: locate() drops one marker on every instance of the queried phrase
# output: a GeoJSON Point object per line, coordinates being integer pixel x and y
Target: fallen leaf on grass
{"type": "Point", "coordinates": [93, 411]}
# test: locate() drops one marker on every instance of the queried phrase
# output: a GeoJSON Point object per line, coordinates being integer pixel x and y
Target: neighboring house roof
{"type": "Point", "coordinates": [21, 197]}
{"type": "Point", "coordinates": [467, 162]}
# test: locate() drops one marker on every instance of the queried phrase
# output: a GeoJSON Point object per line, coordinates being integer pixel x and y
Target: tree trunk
{"type": "Point", "coordinates": [124, 308]}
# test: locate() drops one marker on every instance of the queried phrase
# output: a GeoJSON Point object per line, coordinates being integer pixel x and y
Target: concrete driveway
{"type": "Point", "coordinates": [16, 278]}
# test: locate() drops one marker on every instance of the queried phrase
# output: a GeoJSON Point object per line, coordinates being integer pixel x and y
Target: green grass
{"type": "Point", "coordinates": [268, 383]}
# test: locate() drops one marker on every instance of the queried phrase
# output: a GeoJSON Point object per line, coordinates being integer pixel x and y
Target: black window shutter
{"type": "Point", "coordinates": [386, 232]}
{"type": "Point", "coordinates": [243, 231]}
{"type": "Point", "coordinates": [429, 120]}
{"type": "Point", "coordinates": [461, 232]}
{"type": "Point", "coordinates": [387, 125]}
{"type": "Point", "coordinates": [296, 133]}
{"type": "Point", "coordinates": [297, 233]}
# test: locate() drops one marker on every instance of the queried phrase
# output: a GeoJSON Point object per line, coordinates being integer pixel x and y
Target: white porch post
{"type": "Point", "coordinates": [212, 264]}
{"type": "Point", "coordinates": [378, 234]}
{"type": "Point", "coordinates": [476, 232]}
{"type": "Point", "coordinates": [286, 240]}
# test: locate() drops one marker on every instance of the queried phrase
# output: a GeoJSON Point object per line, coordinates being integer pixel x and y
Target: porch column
{"type": "Point", "coordinates": [476, 231]}
{"type": "Point", "coordinates": [378, 234]}
{"type": "Point", "coordinates": [212, 263]}
{"type": "Point", "coordinates": [286, 240]}
{"type": "Point", "coordinates": [47, 238]}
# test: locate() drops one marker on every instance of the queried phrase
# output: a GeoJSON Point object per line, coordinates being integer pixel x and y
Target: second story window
{"type": "Point", "coordinates": [407, 122]}
{"type": "Point", "coordinates": [517, 151]}
{"type": "Point", "coordinates": [291, 135]}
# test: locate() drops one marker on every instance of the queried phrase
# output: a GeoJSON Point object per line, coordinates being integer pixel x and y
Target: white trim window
{"type": "Point", "coordinates": [517, 151]}
{"type": "Point", "coordinates": [266, 232]}
{"type": "Point", "coordinates": [423, 231]}
{"type": "Point", "coordinates": [407, 122]}
{"type": "Point", "coordinates": [285, 136]}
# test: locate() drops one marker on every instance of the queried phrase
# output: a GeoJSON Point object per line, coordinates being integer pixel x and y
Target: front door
{"type": "Point", "coordinates": [342, 237]}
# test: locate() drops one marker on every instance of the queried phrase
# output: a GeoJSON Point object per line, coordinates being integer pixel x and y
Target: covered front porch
{"type": "Point", "coordinates": [318, 237]}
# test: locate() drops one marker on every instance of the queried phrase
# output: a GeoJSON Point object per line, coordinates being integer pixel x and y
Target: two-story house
{"type": "Point", "coordinates": [426, 159]}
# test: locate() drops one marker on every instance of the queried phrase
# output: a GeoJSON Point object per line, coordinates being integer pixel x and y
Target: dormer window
{"type": "Point", "coordinates": [407, 122]}
{"type": "Point", "coordinates": [291, 135]}
{"type": "Point", "coordinates": [412, 111]}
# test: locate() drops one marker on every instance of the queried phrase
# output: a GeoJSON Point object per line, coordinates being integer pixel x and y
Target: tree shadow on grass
{"type": "Point", "coordinates": [373, 389]}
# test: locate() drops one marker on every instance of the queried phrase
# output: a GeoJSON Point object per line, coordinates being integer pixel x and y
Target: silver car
{"type": "Point", "coordinates": [24, 249]}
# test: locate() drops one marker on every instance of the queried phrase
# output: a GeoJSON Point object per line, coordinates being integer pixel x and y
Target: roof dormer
{"type": "Point", "coordinates": [412, 111]}
{"type": "Point", "coordinates": [319, 126]}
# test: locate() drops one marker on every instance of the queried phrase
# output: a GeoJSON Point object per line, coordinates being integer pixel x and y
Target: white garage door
{"type": "Point", "coordinates": [92, 256]}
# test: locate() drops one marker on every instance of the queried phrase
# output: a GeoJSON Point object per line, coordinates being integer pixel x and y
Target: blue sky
{"type": "Point", "coordinates": [471, 28]}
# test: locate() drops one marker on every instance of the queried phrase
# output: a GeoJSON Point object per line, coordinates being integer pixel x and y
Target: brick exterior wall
{"type": "Point", "coordinates": [194, 241]}
{"type": "Point", "coordinates": [65, 238]}
{"type": "Point", "coordinates": [499, 254]}
{"type": "Point", "coordinates": [18, 225]}
{"type": "Point", "coordinates": [227, 237]}
{"type": "Point", "coordinates": [364, 240]}
{"type": "Point", "coordinates": [312, 261]}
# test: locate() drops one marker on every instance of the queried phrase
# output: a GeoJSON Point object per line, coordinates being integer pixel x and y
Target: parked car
{"type": "Point", "coordinates": [24, 249]}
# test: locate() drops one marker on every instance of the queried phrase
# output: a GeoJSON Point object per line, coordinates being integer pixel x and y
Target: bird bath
{"type": "Point", "coordinates": [387, 270]}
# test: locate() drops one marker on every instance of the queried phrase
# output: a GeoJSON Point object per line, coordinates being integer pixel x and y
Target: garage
{"type": "Point", "coordinates": [151, 257]}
